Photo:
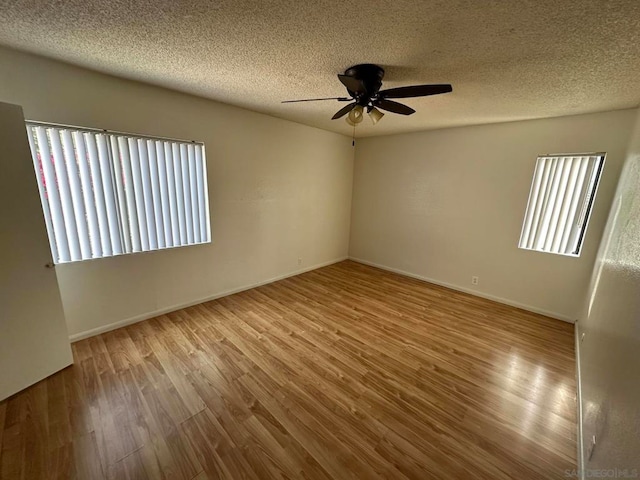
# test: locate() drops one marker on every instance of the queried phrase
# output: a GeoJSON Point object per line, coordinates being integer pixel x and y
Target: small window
{"type": "Point", "coordinates": [106, 194]}
{"type": "Point", "coordinates": [562, 194]}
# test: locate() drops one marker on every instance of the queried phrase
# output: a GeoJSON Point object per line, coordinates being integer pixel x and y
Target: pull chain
{"type": "Point", "coordinates": [353, 137]}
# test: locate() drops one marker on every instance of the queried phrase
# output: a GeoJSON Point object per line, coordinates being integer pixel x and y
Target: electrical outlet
{"type": "Point", "coordinates": [475, 280]}
{"type": "Point", "coordinates": [299, 261]}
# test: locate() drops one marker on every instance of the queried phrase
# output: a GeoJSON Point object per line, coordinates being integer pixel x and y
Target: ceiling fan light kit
{"type": "Point", "coordinates": [355, 116]}
{"type": "Point", "coordinates": [375, 115]}
{"type": "Point", "coordinates": [363, 83]}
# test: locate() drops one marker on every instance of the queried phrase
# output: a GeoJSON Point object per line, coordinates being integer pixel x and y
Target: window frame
{"type": "Point", "coordinates": [584, 209]}
{"type": "Point", "coordinates": [122, 216]}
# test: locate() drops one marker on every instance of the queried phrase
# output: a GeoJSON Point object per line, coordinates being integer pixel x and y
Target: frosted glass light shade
{"type": "Point", "coordinates": [355, 115]}
{"type": "Point", "coordinates": [375, 115]}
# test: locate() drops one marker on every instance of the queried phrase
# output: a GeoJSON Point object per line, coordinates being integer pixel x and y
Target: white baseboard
{"type": "Point", "coordinates": [505, 301]}
{"type": "Point", "coordinates": [145, 316]}
{"type": "Point", "coordinates": [579, 416]}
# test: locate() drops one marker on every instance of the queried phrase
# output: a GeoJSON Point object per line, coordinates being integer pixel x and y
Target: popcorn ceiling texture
{"type": "Point", "coordinates": [507, 60]}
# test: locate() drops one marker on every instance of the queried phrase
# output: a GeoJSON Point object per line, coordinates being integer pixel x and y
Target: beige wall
{"type": "Point", "coordinates": [448, 204]}
{"type": "Point", "coordinates": [279, 191]}
{"type": "Point", "coordinates": [609, 355]}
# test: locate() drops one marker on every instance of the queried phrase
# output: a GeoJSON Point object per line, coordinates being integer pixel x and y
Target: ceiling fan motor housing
{"type": "Point", "coordinates": [371, 77]}
{"type": "Point", "coordinates": [363, 82]}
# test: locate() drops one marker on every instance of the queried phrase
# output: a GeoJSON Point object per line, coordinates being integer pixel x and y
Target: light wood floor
{"type": "Point", "coordinates": [343, 372]}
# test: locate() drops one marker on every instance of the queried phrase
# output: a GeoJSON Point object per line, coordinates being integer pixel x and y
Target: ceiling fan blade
{"type": "Point", "coordinates": [344, 110]}
{"type": "Point", "coordinates": [394, 107]}
{"type": "Point", "coordinates": [340, 99]}
{"type": "Point", "coordinates": [352, 84]}
{"type": "Point", "coordinates": [415, 91]}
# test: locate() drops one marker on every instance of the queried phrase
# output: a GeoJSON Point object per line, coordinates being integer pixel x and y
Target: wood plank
{"type": "Point", "coordinates": [344, 372]}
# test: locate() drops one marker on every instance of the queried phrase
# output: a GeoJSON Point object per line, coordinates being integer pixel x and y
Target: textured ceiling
{"type": "Point", "coordinates": [507, 60]}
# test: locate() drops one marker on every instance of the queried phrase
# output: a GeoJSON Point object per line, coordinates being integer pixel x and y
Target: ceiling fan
{"type": "Point", "coordinates": [363, 84]}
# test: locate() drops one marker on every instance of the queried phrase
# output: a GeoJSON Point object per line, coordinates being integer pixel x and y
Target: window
{"type": "Point", "coordinates": [106, 193]}
{"type": "Point", "coordinates": [562, 194]}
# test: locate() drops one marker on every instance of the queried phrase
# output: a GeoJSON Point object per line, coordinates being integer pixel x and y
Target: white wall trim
{"type": "Point", "coordinates": [580, 442]}
{"type": "Point", "coordinates": [505, 301]}
{"type": "Point", "coordinates": [146, 316]}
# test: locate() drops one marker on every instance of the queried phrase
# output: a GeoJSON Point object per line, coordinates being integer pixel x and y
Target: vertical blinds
{"type": "Point", "coordinates": [560, 201]}
{"type": "Point", "coordinates": [107, 194]}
